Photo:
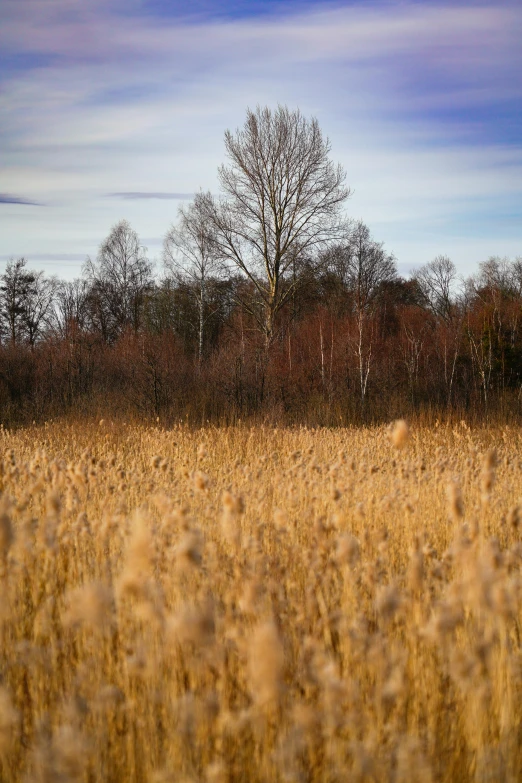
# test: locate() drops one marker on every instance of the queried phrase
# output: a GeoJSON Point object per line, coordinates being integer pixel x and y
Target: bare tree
{"type": "Point", "coordinates": [26, 302]}
{"type": "Point", "coordinates": [496, 289]}
{"type": "Point", "coordinates": [281, 206]}
{"type": "Point", "coordinates": [119, 281]}
{"type": "Point", "coordinates": [516, 276]}
{"type": "Point", "coordinates": [71, 305]}
{"type": "Point", "coordinates": [39, 313]}
{"type": "Point", "coordinates": [189, 253]}
{"type": "Point", "coordinates": [437, 285]}
{"type": "Point", "coordinates": [436, 281]}
{"type": "Point", "coordinates": [496, 273]}
{"type": "Point", "coordinates": [364, 267]}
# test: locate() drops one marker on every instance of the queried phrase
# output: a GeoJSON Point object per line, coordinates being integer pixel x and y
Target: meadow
{"type": "Point", "coordinates": [256, 604]}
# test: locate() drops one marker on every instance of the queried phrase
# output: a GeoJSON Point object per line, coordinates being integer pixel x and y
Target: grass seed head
{"type": "Point", "coordinates": [400, 434]}
{"type": "Point", "coordinates": [266, 661]}
{"type": "Point", "coordinates": [189, 551]}
{"type": "Point", "coordinates": [193, 624]}
{"type": "Point", "coordinates": [455, 503]}
{"type": "Point", "coordinates": [201, 481]}
{"type": "Point", "coordinates": [89, 606]}
{"type": "Point", "coordinates": [347, 550]}
{"type": "Point", "coordinates": [387, 601]}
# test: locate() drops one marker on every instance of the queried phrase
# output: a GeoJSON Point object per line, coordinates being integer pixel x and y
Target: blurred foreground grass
{"type": "Point", "coordinates": [251, 604]}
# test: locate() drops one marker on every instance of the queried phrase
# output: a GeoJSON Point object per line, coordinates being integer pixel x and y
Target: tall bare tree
{"type": "Point", "coordinates": [189, 253]}
{"type": "Point", "coordinates": [119, 281]}
{"type": "Point", "coordinates": [281, 206]}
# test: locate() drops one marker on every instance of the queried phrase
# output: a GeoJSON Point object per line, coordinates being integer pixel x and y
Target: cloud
{"type": "Point", "coordinates": [421, 102]}
{"type": "Point", "coordinates": [132, 195]}
{"type": "Point", "coordinates": [6, 198]}
{"type": "Point", "coordinates": [450, 37]}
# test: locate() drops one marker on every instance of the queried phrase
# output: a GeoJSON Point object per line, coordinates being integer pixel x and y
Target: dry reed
{"type": "Point", "coordinates": [260, 604]}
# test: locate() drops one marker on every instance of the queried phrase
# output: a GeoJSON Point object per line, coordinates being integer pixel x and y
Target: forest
{"type": "Point", "coordinates": [271, 305]}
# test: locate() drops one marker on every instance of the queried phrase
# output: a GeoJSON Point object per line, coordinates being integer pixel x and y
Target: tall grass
{"type": "Point", "coordinates": [255, 604]}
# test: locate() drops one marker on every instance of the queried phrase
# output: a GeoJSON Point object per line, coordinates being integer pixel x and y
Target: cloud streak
{"type": "Point", "coordinates": [6, 198]}
{"type": "Point", "coordinates": [133, 195]}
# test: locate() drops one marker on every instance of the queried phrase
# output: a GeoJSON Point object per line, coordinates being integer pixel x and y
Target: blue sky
{"type": "Point", "coordinates": [114, 109]}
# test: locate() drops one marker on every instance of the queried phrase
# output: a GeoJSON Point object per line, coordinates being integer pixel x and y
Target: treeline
{"type": "Point", "coordinates": [352, 342]}
{"type": "Point", "coordinates": [272, 305]}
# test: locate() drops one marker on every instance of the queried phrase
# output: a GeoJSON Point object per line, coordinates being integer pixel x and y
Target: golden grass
{"type": "Point", "coordinates": [260, 604]}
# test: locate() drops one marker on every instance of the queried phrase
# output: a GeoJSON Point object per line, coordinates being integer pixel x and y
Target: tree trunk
{"type": "Point", "coordinates": [201, 319]}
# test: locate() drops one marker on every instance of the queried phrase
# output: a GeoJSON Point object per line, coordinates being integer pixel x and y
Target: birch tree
{"type": "Point", "coordinates": [363, 266]}
{"type": "Point", "coordinates": [119, 280]}
{"type": "Point", "coordinates": [189, 253]}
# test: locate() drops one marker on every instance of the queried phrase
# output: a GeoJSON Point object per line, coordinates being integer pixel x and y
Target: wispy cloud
{"type": "Point", "coordinates": [6, 198]}
{"type": "Point", "coordinates": [132, 195]}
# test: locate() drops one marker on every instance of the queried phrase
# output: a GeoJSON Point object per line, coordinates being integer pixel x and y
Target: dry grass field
{"type": "Point", "coordinates": [254, 604]}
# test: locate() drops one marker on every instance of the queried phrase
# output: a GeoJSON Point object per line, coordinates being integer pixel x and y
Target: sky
{"type": "Point", "coordinates": [116, 109]}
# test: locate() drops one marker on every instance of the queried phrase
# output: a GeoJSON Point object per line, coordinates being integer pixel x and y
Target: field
{"type": "Point", "coordinates": [254, 604]}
